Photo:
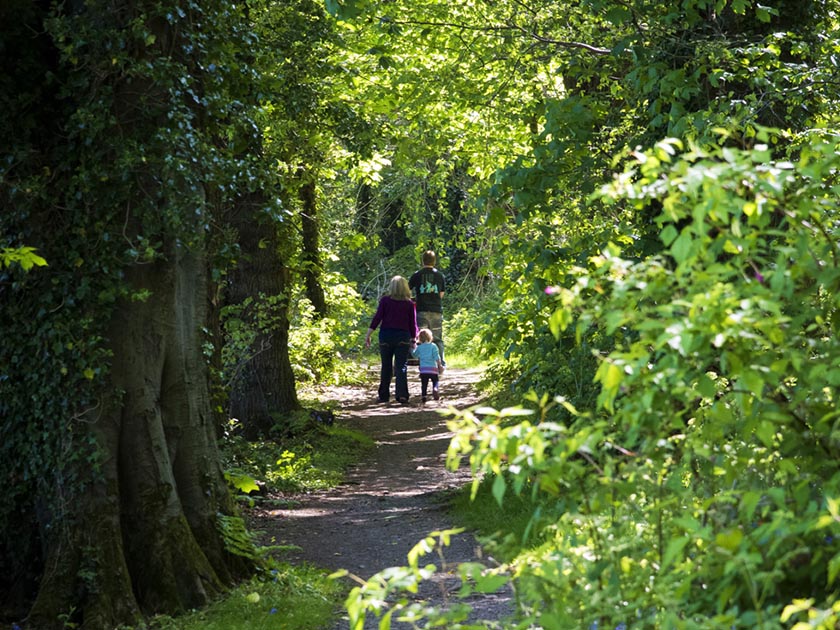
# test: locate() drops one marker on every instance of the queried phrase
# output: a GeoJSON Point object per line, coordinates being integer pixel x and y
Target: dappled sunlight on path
{"type": "Point", "coordinates": [390, 500]}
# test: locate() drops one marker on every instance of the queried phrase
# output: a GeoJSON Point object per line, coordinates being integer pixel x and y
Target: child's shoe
{"type": "Point", "coordinates": [436, 394]}
{"type": "Point", "coordinates": [424, 400]}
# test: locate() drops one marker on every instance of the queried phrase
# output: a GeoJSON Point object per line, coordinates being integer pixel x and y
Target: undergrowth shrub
{"type": "Point", "coordinates": [699, 488]}
{"type": "Point", "coordinates": [463, 333]}
{"type": "Point", "coordinates": [314, 456]}
{"type": "Point", "coordinates": [320, 348]}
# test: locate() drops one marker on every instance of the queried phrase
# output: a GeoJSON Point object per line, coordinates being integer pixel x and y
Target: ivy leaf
{"type": "Point", "coordinates": [242, 482]}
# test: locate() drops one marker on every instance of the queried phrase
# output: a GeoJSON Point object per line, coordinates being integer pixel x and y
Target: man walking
{"type": "Point", "coordinates": [429, 286]}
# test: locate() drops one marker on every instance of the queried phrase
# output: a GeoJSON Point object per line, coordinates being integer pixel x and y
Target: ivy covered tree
{"type": "Point", "coordinates": [113, 170]}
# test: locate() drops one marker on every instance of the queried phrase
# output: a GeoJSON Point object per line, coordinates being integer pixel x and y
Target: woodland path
{"type": "Point", "coordinates": [391, 500]}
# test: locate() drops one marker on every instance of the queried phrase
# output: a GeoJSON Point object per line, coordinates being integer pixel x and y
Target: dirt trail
{"type": "Point", "coordinates": [389, 501]}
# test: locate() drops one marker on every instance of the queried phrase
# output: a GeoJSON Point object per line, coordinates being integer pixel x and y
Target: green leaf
{"type": "Point", "coordinates": [674, 548]}
{"type": "Point", "coordinates": [752, 382]}
{"type": "Point", "coordinates": [490, 582]}
{"type": "Point", "coordinates": [499, 488]}
{"type": "Point", "coordinates": [766, 432]}
{"type": "Point", "coordinates": [612, 376]}
{"type": "Point", "coordinates": [668, 235]}
{"type": "Point", "coordinates": [559, 321]}
{"type": "Point", "coordinates": [242, 482]}
{"type": "Point", "coordinates": [749, 503]}
{"type": "Point", "coordinates": [730, 539]}
{"type": "Point", "coordinates": [706, 387]}
{"type": "Point", "coordinates": [764, 13]}
{"type": "Point", "coordinates": [682, 247]}
{"type": "Point", "coordinates": [617, 15]}
{"type": "Point", "coordinates": [833, 569]}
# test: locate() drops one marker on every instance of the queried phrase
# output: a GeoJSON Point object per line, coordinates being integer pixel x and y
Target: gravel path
{"type": "Point", "coordinates": [391, 500]}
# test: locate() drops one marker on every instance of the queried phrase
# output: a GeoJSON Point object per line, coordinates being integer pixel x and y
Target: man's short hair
{"type": "Point", "coordinates": [429, 258]}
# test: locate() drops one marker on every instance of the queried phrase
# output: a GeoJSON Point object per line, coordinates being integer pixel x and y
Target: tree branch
{"type": "Point", "coordinates": [508, 27]}
{"type": "Point", "coordinates": [561, 43]}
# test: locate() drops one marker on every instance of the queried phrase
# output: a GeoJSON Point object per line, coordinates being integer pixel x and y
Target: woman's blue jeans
{"type": "Point", "coordinates": [394, 346]}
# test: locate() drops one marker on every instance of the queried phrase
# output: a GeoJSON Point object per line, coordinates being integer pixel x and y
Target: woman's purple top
{"type": "Point", "coordinates": [396, 315]}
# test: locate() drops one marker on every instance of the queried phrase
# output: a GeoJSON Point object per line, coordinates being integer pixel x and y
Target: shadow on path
{"type": "Point", "coordinates": [391, 500]}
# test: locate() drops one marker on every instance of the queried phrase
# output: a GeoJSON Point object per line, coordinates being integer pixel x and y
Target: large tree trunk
{"type": "Point", "coordinates": [265, 382]}
{"type": "Point", "coordinates": [310, 228]}
{"type": "Point", "coordinates": [131, 524]}
{"type": "Point", "coordinates": [146, 538]}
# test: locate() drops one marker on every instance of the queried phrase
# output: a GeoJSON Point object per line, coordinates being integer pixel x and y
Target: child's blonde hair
{"type": "Point", "coordinates": [425, 335]}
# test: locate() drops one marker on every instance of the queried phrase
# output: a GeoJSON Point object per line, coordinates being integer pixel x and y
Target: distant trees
{"type": "Point", "coordinates": [667, 230]}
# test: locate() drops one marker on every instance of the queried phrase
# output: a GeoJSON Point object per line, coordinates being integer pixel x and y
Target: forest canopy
{"type": "Point", "coordinates": [635, 204]}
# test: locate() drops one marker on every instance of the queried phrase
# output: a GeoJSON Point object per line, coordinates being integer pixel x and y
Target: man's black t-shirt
{"type": "Point", "coordinates": [427, 284]}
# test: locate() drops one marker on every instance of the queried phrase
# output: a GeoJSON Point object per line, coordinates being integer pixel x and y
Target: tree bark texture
{"type": "Point", "coordinates": [264, 383]}
{"type": "Point", "coordinates": [312, 268]}
{"type": "Point", "coordinates": [145, 538]}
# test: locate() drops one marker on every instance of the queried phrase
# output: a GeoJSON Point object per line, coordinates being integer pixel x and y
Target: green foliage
{"type": "Point", "coordinates": [289, 597]}
{"type": "Point", "coordinates": [237, 539]}
{"type": "Point", "coordinates": [385, 593]}
{"type": "Point", "coordinates": [703, 479]}
{"type": "Point", "coordinates": [463, 331]}
{"type": "Point", "coordinates": [698, 291]}
{"type": "Point", "coordinates": [504, 528]}
{"type": "Point", "coordinates": [698, 490]}
{"type": "Point", "coordinates": [243, 324]}
{"type": "Point", "coordinates": [313, 456]}
{"type": "Point", "coordinates": [684, 316]}
{"type": "Point", "coordinates": [23, 256]}
{"type": "Point", "coordinates": [320, 348]}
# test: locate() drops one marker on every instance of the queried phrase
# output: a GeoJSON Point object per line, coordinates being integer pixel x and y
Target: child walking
{"type": "Point", "coordinates": [430, 363]}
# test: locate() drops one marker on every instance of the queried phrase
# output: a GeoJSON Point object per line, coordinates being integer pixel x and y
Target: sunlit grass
{"type": "Point", "coordinates": [455, 359]}
{"type": "Point", "coordinates": [314, 459]}
{"type": "Point", "coordinates": [291, 598]}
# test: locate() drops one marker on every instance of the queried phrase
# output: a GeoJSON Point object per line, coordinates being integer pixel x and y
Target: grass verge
{"type": "Point", "coordinates": [312, 457]}
{"type": "Point", "coordinates": [503, 530]}
{"type": "Point", "coordinates": [310, 454]}
{"type": "Point", "coordinates": [292, 598]}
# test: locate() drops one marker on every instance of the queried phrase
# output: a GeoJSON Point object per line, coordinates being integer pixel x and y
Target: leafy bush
{"type": "Point", "coordinates": [463, 333]}
{"type": "Point", "coordinates": [319, 347]}
{"type": "Point", "coordinates": [700, 488]}
{"type": "Point", "coordinates": [517, 363]}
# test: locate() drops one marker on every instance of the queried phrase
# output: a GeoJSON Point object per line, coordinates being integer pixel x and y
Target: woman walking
{"type": "Point", "coordinates": [398, 329]}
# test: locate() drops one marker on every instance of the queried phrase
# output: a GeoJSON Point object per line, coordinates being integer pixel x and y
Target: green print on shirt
{"type": "Point", "coordinates": [428, 288]}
